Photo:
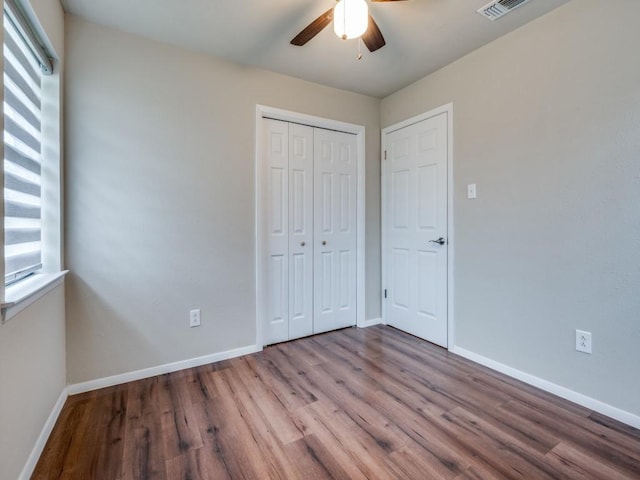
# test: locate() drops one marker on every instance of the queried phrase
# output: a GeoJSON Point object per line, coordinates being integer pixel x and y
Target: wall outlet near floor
{"type": "Point", "coordinates": [194, 318]}
{"type": "Point", "coordinates": [583, 341]}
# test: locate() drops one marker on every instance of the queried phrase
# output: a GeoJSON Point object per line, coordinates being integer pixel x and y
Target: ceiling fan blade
{"type": "Point", "coordinates": [313, 28]}
{"type": "Point", "coordinates": [373, 38]}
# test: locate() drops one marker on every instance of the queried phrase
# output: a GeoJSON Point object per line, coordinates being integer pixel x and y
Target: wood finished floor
{"type": "Point", "coordinates": [353, 404]}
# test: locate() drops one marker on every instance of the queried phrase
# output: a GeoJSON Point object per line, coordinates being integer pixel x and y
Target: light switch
{"type": "Point", "coordinates": [471, 190]}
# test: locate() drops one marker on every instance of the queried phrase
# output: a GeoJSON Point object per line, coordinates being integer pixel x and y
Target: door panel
{"type": "Point", "coordinates": [277, 191]}
{"type": "Point", "coordinates": [401, 199]}
{"type": "Point", "coordinates": [298, 297]}
{"type": "Point", "coordinates": [400, 275]}
{"type": "Point", "coordinates": [427, 285]}
{"type": "Point", "coordinates": [345, 217]}
{"type": "Point", "coordinates": [344, 277]}
{"type": "Point", "coordinates": [335, 242]}
{"type": "Point", "coordinates": [416, 214]}
{"type": "Point", "coordinates": [276, 287]}
{"type": "Point", "coordinates": [301, 231]}
{"type": "Point", "coordinates": [298, 202]}
{"type": "Point", "coordinates": [427, 206]}
{"type": "Point", "coordinates": [324, 280]}
{"type": "Point", "coordinates": [325, 200]}
{"type": "Point", "coordinates": [278, 290]}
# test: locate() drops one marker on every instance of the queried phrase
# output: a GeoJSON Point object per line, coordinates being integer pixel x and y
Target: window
{"type": "Point", "coordinates": [23, 70]}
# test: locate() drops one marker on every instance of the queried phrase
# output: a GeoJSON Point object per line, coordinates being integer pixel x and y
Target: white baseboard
{"type": "Point", "coordinates": [37, 449]}
{"type": "Point", "coordinates": [575, 397]}
{"type": "Point", "coordinates": [370, 323]}
{"type": "Point", "coordinates": [159, 370]}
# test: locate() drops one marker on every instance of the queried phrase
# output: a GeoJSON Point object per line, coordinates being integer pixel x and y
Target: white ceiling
{"type": "Point", "coordinates": [422, 35]}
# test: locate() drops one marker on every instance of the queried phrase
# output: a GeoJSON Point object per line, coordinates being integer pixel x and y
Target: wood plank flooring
{"type": "Point", "coordinates": [353, 404]}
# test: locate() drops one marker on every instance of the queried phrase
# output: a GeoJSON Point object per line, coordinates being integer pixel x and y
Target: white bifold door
{"type": "Point", "coordinates": [334, 230]}
{"type": "Point", "coordinates": [308, 215]}
{"type": "Point", "coordinates": [415, 228]}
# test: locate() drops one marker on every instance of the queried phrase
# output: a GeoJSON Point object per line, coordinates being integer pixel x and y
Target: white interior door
{"type": "Point", "coordinates": [275, 220]}
{"type": "Point", "coordinates": [416, 229]}
{"type": "Point", "coordinates": [300, 230]}
{"type": "Point", "coordinates": [335, 179]}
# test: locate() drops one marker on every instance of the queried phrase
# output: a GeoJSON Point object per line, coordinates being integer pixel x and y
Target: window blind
{"type": "Point", "coordinates": [22, 156]}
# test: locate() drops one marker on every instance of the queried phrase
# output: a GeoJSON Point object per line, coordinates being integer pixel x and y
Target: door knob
{"type": "Point", "coordinates": [302, 244]}
{"type": "Point", "coordinates": [440, 241]}
{"type": "Point", "coordinates": [324, 242]}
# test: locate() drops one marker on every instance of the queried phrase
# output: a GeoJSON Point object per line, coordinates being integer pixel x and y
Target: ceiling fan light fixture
{"type": "Point", "coordinates": [350, 18]}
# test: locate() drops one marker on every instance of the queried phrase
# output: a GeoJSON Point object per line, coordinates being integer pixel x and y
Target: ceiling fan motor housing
{"type": "Point", "coordinates": [371, 34]}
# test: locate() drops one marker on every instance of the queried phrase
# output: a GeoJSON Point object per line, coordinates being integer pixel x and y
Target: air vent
{"type": "Point", "coordinates": [499, 8]}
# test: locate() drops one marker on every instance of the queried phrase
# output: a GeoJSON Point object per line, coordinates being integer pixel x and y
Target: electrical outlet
{"type": "Point", "coordinates": [471, 191]}
{"type": "Point", "coordinates": [194, 318]}
{"type": "Point", "coordinates": [583, 341]}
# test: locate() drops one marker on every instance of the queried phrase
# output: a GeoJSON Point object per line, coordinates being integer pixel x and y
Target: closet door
{"type": "Point", "coordinates": [335, 241]}
{"type": "Point", "coordinates": [275, 225]}
{"type": "Point", "coordinates": [300, 230]}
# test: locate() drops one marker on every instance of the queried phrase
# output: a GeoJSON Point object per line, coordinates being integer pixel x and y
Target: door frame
{"type": "Point", "coordinates": [263, 111]}
{"type": "Point", "coordinates": [448, 110]}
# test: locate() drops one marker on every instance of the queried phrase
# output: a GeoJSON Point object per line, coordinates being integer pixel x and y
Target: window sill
{"type": "Point", "coordinates": [22, 294]}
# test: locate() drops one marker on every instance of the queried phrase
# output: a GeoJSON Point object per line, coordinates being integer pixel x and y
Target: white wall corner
{"type": "Point", "coordinates": [38, 448]}
{"type": "Point", "coordinates": [563, 392]}
{"type": "Point", "coordinates": [370, 323]}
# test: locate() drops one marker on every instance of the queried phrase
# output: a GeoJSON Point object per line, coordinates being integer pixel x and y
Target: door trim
{"type": "Point", "coordinates": [263, 111]}
{"type": "Point", "coordinates": [448, 109]}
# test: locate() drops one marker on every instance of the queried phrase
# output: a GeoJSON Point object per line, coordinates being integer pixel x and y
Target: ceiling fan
{"type": "Point", "coordinates": [351, 19]}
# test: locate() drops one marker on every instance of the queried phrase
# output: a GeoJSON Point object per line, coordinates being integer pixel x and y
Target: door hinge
{"type": "Point", "coordinates": [385, 293]}
{"type": "Point", "coordinates": [385, 154]}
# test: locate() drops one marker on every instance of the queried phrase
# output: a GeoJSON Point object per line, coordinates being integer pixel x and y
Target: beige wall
{"type": "Point", "coordinates": [32, 377]}
{"type": "Point", "coordinates": [50, 16]}
{"type": "Point", "coordinates": [546, 123]}
{"type": "Point", "coordinates": [160, 197]}
{"type": "Point", "coordinates": [32, 343]}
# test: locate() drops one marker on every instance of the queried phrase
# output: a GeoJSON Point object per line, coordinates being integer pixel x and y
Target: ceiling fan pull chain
{"type": "Point", "coordinates": [359, 48]}
{"type": "Point", "coordinates": [344, 21]}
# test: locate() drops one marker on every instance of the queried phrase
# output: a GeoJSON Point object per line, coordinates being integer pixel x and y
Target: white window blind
{"type": "Point", "coordinates": [22, 156]}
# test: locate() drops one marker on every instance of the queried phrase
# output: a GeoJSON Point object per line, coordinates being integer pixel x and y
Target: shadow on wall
{"type": "Point", "coordinates": [101, 329]}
